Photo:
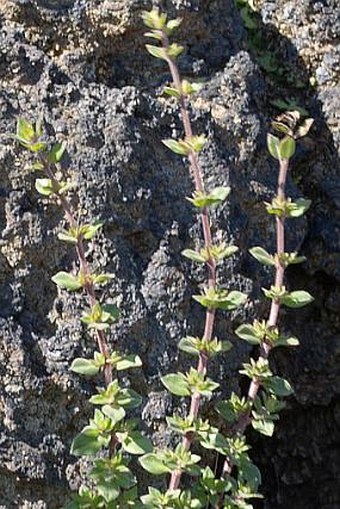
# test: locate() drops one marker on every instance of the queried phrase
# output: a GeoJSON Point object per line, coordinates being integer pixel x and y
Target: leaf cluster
{"type": "Point", "coordinates": [296, 299]}
{"type": "Point", "coordinates": [260, 332]}
{"type": "Point", "coordinates": [166, 461]}
{"type": "Point", "coordinates": [190, 383]}
{"type": "Point", "coordinates": [187, 146]}
{"type": "Point", "coordinates": [221, 299]}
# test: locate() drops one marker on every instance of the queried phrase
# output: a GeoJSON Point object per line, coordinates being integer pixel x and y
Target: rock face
{"type": "Point", "coordinates": [82, 64]}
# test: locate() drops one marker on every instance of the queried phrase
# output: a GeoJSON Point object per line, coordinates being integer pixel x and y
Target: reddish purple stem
{"type": "Point", "coordinates": [84, 267]}
{"type": "Point", "coordinates": [197, 176]}
{"type": "Point", "coordinates": [255, 384]}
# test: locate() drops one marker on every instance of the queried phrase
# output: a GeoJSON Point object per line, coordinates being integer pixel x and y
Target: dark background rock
{"type": "Point", "coordinates": [83, 64]}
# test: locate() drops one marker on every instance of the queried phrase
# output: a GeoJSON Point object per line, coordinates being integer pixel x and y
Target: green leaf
{"type": "Point", "coordinates": [232, 409]}
{"type": "Point", "coordinates": [301, 206]}
{"type": "Point", "coordinates": [287, 147]}
{"type": "Point", "coordinates": [156, 499]}
{"type": "Point", "coordinates": [135, 443]}
{"type": "Point", "coordinates": [215, 197]}
{"type": "Point", "coordinates": [226, 410]}
{"type": "Point", "coordinates": [173, 24]}
{"type": "Point", "coordinates": [129, 398]}
{"type": "Point", "coordinates": [154, 34]}
{"type": "Point", "coordinates": [262, 256]}
{"type": "Point", "coordinates": [183, 426]}
{"type": "Point", "coordinates": [157, 51]}
{"type": "Point", "coordinates": [189, 345]}
{"type": "Point", "coordinates": [235, 299]}
{"type": "Point", "coordinates": [174, 50]}
{"type": "Point", "coordinates": [178, 147]}
{"type": "Point", "coordinates": [106, 396]}
{"type": "Point", "coordinates": [112, 310]}
{"type": "Point", "coordinates": [222, 251]}
{"type": "Point", "coordinates": [273, 146]}
{"type": "Point", "coordinates": [272, 406]}
{"type": "Point", "coordinates": [206, 387]}
{"type": "Point", "coordinates": [285, 207]}
{"type": "Point", "coordinates": [35, 147]}
{"type": "Point", "coordinates": [154, 19]}
{"type": "Point", "coordinates": [280, 127]}
{"type": "Point", "coordinates": [129, 499]}
{"type": "Point", "coordinates": [101, 317]}
{"type": "Point", "coordinates": [276, 293]}
{"type": "Point", "coordinates": [67, 281]}
{"type": "Point", "coordinates": [297, 299]}
{"type": "Point", "coordinates": [197, 142]}
{"type": "Point", "coordinates": [56, 153]}
{"type": "Point", "coordinates": [89, 230]}
{"type": "Point", "coordinates": [152, 464]}
{"type": "Point", "coordinates": [213, 441]}
{"type": "Point", "coordinates": [109, 492]}
{"type": "Point", "coordinates": [37, 166]}
{"type": "Point", "coordinates": [249, 473]}
{"type": "Point", "coordinates": [87, 442]}
{"type": "Point", "coordinates": [189, 88]}
{"type": "Point", "coordinates": [101, 279]}
{"type": "Point", "coordinates": [287, 341]}
{"type": "Point", "coordinates": [116, 414]}
{"type": "Point", "coordinates": [225, 346]}
{"type": "Point", "coordinates": [67, 236]}
{"type": "Point", "coordinates": [176, 383]}
{"type": "Point", "coordinates": [257, 369]}
{"type": "Point", "coordinates": [94, 325]}
{"type": "Point", "coordinates": [130, 361]}
{"type": "Point", "coordinates": [86, 499]}
{"type": "Point", "coordinates": [194, 346]}
{"type": "Point", "coordinates": [84, 367]}
{"type": "Point", "coordinates": [265, 427]}
{"type": "Point", "coordinates": [261, 332]}
{"type": "Point", "coordinates": [221, 299]}
{"type": "Point", "coordinates": [194, 256]}
{"type": "Point", "coordinates": [25, 130]}
{"type": "Point", "coordinates": [217, 252]}
{"type": "Point", "coordinates": [101, 423]}
{"type": "Point", "coordinates": [286, 259]}
{"type": "Point", "coordinates": [248, 333]}
{"type": "Point", "coordinates": [278, 386]}
{"type": "Point", "coordinates": [172, 92]}
{"type": "Point", "coordinates": [44, 186]}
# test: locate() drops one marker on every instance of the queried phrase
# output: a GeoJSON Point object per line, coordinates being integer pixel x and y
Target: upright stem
{"type": "Point", "coordinates": [197, 176]}
{"type": "Point", "coordinates": [255, 384]}
{"type": "Point", "coordinates": [84, 267]}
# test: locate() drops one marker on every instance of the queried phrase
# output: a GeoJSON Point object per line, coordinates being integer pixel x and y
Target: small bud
{"type": "Point", "coordinates": [154, 19]}
{"type": "Point", "coordinates": [197, 142]}
{"type": "Point", "coordinates": [189, 88]}
{"type": "Point", "coordinates": [173, 24]}
{"type": "Point", "coordinates": [174, 50]}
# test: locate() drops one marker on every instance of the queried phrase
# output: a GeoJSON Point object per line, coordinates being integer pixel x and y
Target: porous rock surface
{"type": "Point", "coordinates": [82, 64]}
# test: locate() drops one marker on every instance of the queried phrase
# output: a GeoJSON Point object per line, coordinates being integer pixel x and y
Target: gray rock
{"type": "Point", "coordinates": [84, 66]}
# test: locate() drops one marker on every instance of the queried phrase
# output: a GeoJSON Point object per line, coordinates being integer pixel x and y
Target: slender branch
{"type": "Point", "coordinates": [255, 384]}
{"type": "Point", "coordinates": [197, 176]}
{"type": "Point", "coordinates": [49, 169]}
